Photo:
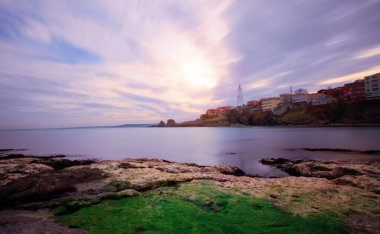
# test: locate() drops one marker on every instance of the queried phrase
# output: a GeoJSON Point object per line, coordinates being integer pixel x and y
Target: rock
{"type": "Point", "coordinates": [82, 184]}
{"type": "Point", "coordinates": [170, 123]}
{"type": "Point", "coordinates": [229, 170]}
{"type": "Point", "coordinates": [132, 165]}
{"type": "Point", "coordinates": [363, 224]}
{"type": "Point", "coordinates": [25, 221]}
{"type": "Point", "coordinates": [64, 163]}
{"type": "Point", "coordinates": [161, 124]}
{"type": "Point", "coordinates": [274, 161]}
{"type": "Point", "coordinates": [14, 156]}
{"type": "Point", "coordinates": [18, 168]}
{"type": "Point", "coordinates": [46, 185]}
{"type": "Point", "coordinates": [363, 181]}
{"type": "Point", "coordinates": [128, 193]}
{"type": "Point", "coordinates": [357, 174]}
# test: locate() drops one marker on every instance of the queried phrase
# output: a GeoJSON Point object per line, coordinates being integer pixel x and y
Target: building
{"type": "Point", "coordinates": [333, 92]}
{"type": "Point", "coordinates": [317, 99]}
{"type": "Point", "coordinates": [354, 91]}
{"type": "Point", "coordinates": [254, 105]}
{"type": "Point", "coordinates": [269, 104]}
{"type": "Point", "coordinates": [312, 96]}
{"type": "Point", "coordinates": [301, 91]}
{"type": "Point", "coordinates": [218, 111]}
{"type": "Point", "coordinates": [299, 96]}
{"type": "Point", "coordinates": [371, 85]}
{"type": "Point", "coordinates": [286, 97]}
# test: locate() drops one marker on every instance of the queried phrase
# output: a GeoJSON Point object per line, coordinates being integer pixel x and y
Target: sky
{"type": "Point", "coordinates": [68, 63]}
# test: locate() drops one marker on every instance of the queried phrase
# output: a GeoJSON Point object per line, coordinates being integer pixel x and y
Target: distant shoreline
{"type": "Point", "coordinates": [282, 126]}
{"type": "Point", "coordinates": [200, 126]}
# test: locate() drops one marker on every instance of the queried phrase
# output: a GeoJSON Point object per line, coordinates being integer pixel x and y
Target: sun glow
{"type": "Point", "coordinates": [198, 72]}
{"type": "Point", "coordinates": [193, 65]}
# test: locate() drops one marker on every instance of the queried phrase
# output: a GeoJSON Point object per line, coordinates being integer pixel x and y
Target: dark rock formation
{"type": "Point", "coordinates": [170, 123]}
{"type": "Point", "coordinates": [161, 124]}
{"type": "Point", "coordinates": [63, 163]}
{"type": "Point", "coordinates": [46, 185]}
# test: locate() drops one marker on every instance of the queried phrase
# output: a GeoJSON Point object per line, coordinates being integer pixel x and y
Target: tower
{"type": "Point", "coordinates": [239, 100]}
{"type": "Point", "coordinates": [291, 89]}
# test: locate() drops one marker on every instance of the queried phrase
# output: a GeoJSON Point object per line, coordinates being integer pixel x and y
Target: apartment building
{"type": "Point", "coordinates": [269, 104]}
{"type": "Point", "coordinates": [354, 91]}
{"type": "Point", "coordinates": [371, 86]}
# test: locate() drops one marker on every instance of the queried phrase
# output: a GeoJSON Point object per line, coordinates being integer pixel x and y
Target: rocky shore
{"type": "Point", "coordinates": [31, 186]}
{"type": "Point", "coordinates": [364, 175]}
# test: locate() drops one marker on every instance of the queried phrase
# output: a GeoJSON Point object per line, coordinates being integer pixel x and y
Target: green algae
{"type": "Point", "coordinates": [196, 207]}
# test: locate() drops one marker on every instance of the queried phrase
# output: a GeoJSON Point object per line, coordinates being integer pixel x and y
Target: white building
{"type": "Point", "coordinates": [371, 85]}
{"type": "Point", "coordinates": [322, 100]}
{"type": "Point", "coordinates": [299, 98]}
{"type": "Point", "coordinates": [319, 99]}
{"type": "Point", "coordinates": [269, 104]}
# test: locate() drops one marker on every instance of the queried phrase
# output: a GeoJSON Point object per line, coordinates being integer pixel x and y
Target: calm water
{"type": "Point", "coordinates": [208, 146]}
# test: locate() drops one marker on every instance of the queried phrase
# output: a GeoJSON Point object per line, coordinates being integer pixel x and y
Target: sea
{"type": "Point", "coordinates": [234, 146]}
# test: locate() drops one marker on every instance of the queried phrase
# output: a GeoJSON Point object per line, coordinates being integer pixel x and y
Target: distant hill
{"type": "Point", "coordinates": [113, 126]}
{"type": "Point", "coordinates": [133, 125]}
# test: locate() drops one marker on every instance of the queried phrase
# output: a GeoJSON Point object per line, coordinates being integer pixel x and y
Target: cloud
{"type": "Point", "coordinates": [352, 77]}
{"type": "Point", "coordinates": [268, 81]}
{"type": "Point", "coordinates": [369, 53]}
{"type": "Point", "coordinates": [99, 62]}
{"type": "Point", "coordinates": [37, 31]}
{"type": "Point", "coordinates": [172, 50]}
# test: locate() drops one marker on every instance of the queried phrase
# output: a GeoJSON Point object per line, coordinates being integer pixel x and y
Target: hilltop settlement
{"type": "Point", "coordinates": [356, 103]}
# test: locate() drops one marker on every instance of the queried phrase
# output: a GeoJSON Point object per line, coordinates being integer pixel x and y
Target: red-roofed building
{"type": "Point", "coordinates": [254, 105]}
{"type": "Point", "coordinates": [354, 91]}
{"type": "Point", "coordinates": [333, 92]}
{"type": "Point", "coordinates": [218, 111]}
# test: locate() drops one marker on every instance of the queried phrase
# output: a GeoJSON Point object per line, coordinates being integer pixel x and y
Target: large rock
{"type": "Point", "coordinates": [46, 185]}
{"type": "Point", "coordinates": [161, 124]}
{"type": "Point", "coordinates": [170, 123]}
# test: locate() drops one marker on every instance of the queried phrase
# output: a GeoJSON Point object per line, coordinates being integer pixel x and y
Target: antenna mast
{"type": "Point", "coordinates": [239, 100]}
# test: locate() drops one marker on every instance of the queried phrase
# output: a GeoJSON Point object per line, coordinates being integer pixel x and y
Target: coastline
{"type": "Point", "coordinates": [76, 185]}
{"type": "Point", "coordinates": [277, 125]}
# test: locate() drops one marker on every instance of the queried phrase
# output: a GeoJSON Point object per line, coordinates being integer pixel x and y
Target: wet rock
{"type": "Point", "coordinates": [338, 150]}
{"type": "Point", "coordinates": [8, 150]}
{"type": "Point", "coordinates": [63, 163]}
{"type": "Point", "coordinates": [46, 185]}
{"type": "Point", "coordinates": [229, 170]}
{"type": "Point", "coordinates": [328, 149]}
{"type": "Point", "coordinates": [14, 156]}
{"type": "Point", "coordinates": [274, 161]}
{"type": "Point", "coordinates": [132, 165]}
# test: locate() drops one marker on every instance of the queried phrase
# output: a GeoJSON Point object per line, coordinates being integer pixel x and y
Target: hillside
{"type": "Point", "coordinates": [350, 113]}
